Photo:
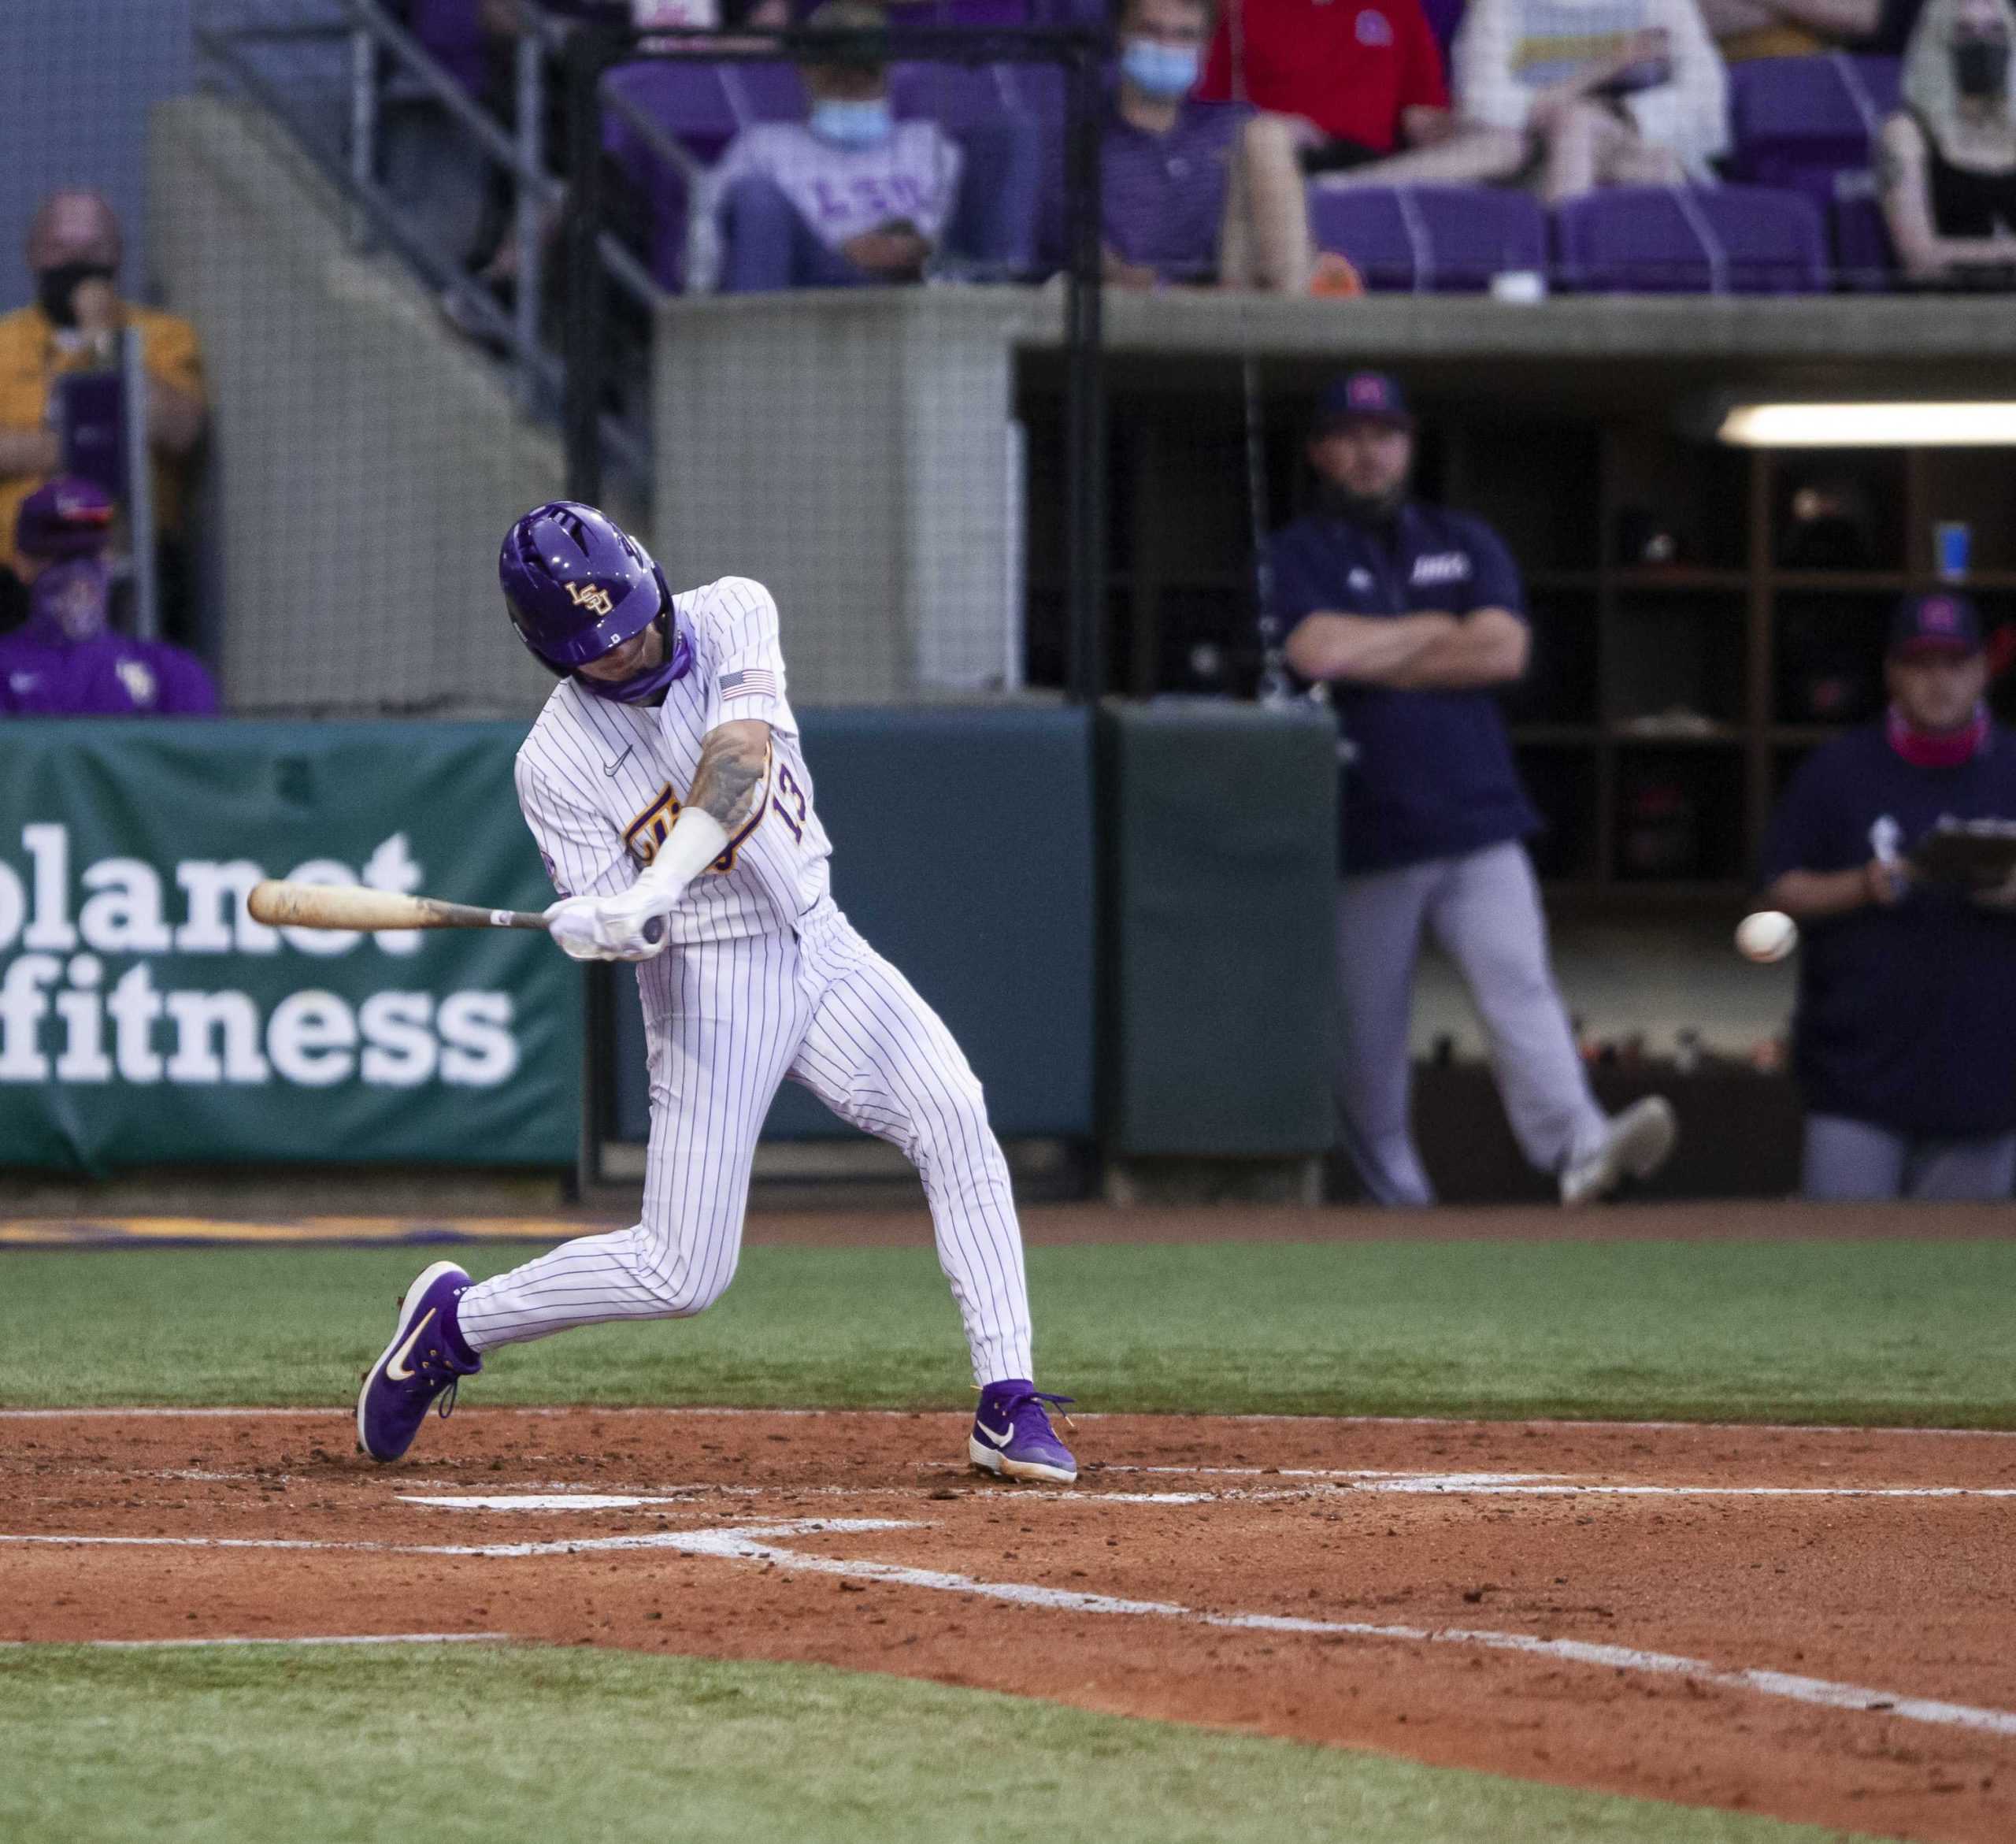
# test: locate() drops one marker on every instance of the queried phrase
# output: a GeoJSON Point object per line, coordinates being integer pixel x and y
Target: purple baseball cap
{"type": "Point", "coordinates": [64, 517]}
{"type": "Point", "coordinates": [1369, 396]}
{"type": "Point", "coordinates": [1940, 622]}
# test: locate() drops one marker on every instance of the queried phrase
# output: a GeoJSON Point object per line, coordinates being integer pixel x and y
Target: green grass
{"type": "Point", "coordinates": [484, 1746]}
{"type": "Point", "coordinates": [1863, 1332]}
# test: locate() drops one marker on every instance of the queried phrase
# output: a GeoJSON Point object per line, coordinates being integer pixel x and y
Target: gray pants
{"type": "Point", "coordinates": [1856, 1161]}
{"type": "Point", "coordinates": [1485, 909]}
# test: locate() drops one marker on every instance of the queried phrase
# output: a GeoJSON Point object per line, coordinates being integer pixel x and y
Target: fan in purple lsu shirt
{"type": "Point", "coordinates": [66, 659]}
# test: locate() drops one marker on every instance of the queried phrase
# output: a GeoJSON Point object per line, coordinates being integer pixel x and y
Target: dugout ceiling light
{"type": "Point", "coordinates": [1870, 425]}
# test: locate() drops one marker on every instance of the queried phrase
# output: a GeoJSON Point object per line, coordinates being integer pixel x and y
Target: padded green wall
{"type": "Point", "coordinates": [1220, 848]}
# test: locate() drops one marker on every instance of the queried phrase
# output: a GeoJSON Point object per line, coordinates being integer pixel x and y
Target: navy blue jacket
{"type": "Point", "coordinates": [1906, 1015]}
{"type": "Point", "coordinates": [1429, 775]}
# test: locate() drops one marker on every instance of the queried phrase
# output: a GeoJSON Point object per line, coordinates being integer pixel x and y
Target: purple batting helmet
{"type": "Point", "coordinates": [577, 585]}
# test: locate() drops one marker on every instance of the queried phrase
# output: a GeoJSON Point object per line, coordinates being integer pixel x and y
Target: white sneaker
{"type": "Point", "coordinates": [1635, 1145]}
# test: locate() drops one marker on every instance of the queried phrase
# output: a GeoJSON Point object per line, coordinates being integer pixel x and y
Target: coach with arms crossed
{"type": "Point", "coordinates": [1412, 616]}
{"type": "Point", "coordinates": [1904, 1040]}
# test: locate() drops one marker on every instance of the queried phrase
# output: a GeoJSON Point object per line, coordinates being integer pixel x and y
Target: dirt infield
{"type": "Point", "coordinates": [1812, 1623]}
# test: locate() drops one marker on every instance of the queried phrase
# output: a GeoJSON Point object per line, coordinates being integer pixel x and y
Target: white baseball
{"type": "Point", "coordinates": [1770, 934]}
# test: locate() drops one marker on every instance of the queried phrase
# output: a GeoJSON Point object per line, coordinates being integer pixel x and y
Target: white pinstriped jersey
{"type": "Point", "coordinates": [600, 783]}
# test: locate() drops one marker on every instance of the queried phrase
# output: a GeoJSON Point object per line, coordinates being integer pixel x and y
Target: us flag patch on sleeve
{"type": "Point", "coordinates": [750, 682]}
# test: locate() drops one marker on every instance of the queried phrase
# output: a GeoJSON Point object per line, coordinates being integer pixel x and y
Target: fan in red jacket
{"type": "Point", "coordinates": [1362, 80]}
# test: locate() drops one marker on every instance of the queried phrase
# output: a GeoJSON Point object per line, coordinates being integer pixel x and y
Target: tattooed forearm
{"type": "Point", "coordinates": [734, 762]}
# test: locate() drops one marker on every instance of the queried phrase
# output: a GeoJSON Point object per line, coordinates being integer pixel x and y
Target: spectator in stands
{"type": "Point", "coordinates": [66, 660]}
{"type": "Point", "coordinates": [1906, 992]}
{"type": "Point", "coordinates": [73, 325]}
{"type": "Point", "coordinates": [1947, 161]}
{"type": "Point", "coordinates": [1413, 617]}
{"type": "Point", "coordinates": [1195, 191]}
{"type": "Point", "coordinates": [1607, 92]}
{"type": "Point", "coordinates": [1361, 83]}
{"type": "Point", "coordinates": [850, 196]}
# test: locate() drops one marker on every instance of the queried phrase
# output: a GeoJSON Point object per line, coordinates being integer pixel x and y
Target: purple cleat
{"type": "Point", "coordinates": [1012, 1435]}
{"type": "Point", "coordinates": [425, 1362]}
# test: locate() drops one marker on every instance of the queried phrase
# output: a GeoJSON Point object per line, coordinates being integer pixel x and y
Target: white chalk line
{"type": "Point", "coordinates": [153, 1411]}
{"type": "Point", "coordinates": [745, 1544]}
{"type": "Point", "coordinates": [298, 1639]}
{"type": "Point", "coordinates": [1313, 1485]}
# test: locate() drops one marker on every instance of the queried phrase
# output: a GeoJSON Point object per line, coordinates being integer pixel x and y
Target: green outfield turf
{"type": "Point", "coordinates": [492, 1746]}
{"type": "Point", "coordinates": [1866, 1332]}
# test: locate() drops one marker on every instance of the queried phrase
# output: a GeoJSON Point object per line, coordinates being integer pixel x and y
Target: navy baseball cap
{"type": "Point", "coordinates": [1372, 396]}
{"type": "Point", "coordinates": [64, 518]}
{"type": "Point", "coordinates": [1940, 622]}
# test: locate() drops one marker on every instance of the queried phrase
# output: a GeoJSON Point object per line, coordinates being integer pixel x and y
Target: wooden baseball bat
{"type": "Point", "coordinates": [281, 904]}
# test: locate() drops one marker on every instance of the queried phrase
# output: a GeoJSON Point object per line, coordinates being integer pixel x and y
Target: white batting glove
{"type": "Point", "coordinates": [610, 928]}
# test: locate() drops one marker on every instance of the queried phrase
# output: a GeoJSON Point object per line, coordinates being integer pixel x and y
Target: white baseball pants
{"type": "Point", "coordinates": [822, 1007]}
{"type": "Point", "coordinates": [1857, 1162]}
{"type": "Point", "coordinates": [1485, 909]}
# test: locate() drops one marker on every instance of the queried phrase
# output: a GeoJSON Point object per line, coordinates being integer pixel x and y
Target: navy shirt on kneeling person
{"type": "Point", "coordinates": [1907, 1014]}
{"type": "Point", "coordinates": [1429, 775]}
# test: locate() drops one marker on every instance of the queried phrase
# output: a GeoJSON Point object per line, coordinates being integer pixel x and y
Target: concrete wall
{"type": "Point", "coordinates": [854, 452]}
{"type": "Point", "coordinates": [364, 459]}
{"type": "Point", "coordinates": [81, 77]}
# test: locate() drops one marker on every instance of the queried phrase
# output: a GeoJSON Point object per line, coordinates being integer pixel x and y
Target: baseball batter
{"type": "Point", "coordinates": [667, 789]}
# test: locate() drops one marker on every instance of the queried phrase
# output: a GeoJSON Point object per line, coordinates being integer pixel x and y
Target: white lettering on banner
{"type": "Point", "coordinates": [399, 1049]}
{"type": "Point", "coordinates": [211, 928]}
{"type": "Point", "coordinates": [393, 867]}
{"type": "Point", "coordinates": [310, 1037]}
{"type": "Point", "coordinates": [124, 915]}
{"type": "Point", "coordinates": [64, 1012]}
{"type": "Point", "coordinates": [13, 906]}
{"type": "Point", "coordinates": [23, 1006]}
{"type": "Point", "coordinates": [83, 1059]}
{"type": "Point", "coordinates": [201, 1019]}
{"type": "Point", "coordinates": [479, 1050]}
{"type": "Point", "coordinates": [135, 1005]}
{"type": "Point", "coordinates": [49, 847]}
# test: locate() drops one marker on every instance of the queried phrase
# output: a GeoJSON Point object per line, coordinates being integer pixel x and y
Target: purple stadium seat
{"type": "Point", "coordinates": [1447, 239]}
{"type": "Point", "coordinates": [1863, 259]}
{"type": "Point", "coordinates": [1786, 113]}
{"type": "Point", "coordinates": [1808, 124]}
{"type": "Point", "coordinates": [956, 96]}
{"type": "Point", "coordinates": [1676, 239]}
{"type": "Point", "coordinates": [690, 102]}
{"type": "Point", "coordinates": [765, 90]}
{"type": "Point", "coordinates": [452, 30]}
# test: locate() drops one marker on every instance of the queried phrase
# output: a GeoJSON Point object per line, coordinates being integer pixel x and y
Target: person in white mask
{"type": "Point", "coordinates": [848, 197]}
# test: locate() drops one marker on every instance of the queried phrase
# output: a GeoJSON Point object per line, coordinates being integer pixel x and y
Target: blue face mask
{"type": "Point", "coordinates": [854, 125]}
{"type": "Point", "coordinates": [1162, 71]}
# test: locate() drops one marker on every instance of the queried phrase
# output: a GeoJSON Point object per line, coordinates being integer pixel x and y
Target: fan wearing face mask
{"type": "Point", "coordinates": [66, 659]}
{"type": "Point", "coordinates": [1947, 164]}
{"type": "Point", "coordinates": [849, 197]}
{"type": "Point", "coordinates": [74, 324]}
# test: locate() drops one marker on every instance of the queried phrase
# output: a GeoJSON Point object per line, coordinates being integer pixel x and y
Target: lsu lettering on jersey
{"type": "Point", "coordinates": [600, 783]}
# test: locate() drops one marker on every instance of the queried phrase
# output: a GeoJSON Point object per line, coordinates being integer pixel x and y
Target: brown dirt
{"type": "Point", "coordinates": [1911, 1595]}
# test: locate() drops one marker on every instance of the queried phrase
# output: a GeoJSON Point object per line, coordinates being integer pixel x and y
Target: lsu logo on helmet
{"type": "Point", "coordinates": [597, 602]}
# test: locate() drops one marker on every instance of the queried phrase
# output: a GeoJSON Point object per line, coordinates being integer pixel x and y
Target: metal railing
{"type": "Point", "coordinates": [383, 58]}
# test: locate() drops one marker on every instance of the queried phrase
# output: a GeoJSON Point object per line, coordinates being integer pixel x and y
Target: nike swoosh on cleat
{"type": "Point", "coordinates": [986, 1433]}
{"type": "Point", "coordinates": [396, 1367]}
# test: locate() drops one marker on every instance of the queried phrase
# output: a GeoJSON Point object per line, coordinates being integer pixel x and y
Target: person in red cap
{"type": "Point", "coordinates": [66, 659]}
{"type": "Point", "coordinates": [74, 249]}
{"type": "Point", "coordinates": [1906, 1011]}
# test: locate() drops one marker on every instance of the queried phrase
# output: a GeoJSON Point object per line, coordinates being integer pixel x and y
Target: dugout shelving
{"type": "Point", "coordinates": [1670, 699]}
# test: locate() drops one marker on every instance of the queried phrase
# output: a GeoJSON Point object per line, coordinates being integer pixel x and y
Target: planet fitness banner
{"type": "Point", "coordinates": [146, 1018]}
